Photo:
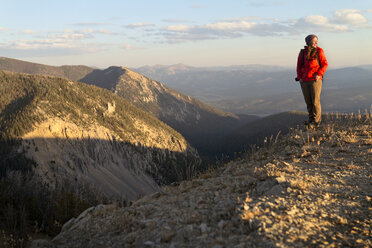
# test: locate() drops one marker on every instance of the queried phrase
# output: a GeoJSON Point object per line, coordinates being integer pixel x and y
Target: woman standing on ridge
{"type": "Point", "coordinates": [311, 66]}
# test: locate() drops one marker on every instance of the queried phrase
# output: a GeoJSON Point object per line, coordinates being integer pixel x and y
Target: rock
{"type": "Point", "coordinates": [221, 224]}
{"type": "Point", "coordinates": [167, 235]}
{"type": "Point", "coordinates": [41, 243]}
{"type": "Point", "coordinates": [149, 244]}
{"type": "Point", "coordinates": [276, 190]}
{"type": "Point", "coordinates": [203, 228]}
{"type": "Point", "coordinates": [265, 186]}
{"type": "Point", "coordinates": [288, 150]}
{"type": "Point", "coordinates": [280, 179]}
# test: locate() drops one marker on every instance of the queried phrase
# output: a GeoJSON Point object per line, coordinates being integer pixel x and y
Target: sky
{"type": "Point", "coordinates": [195, 32]}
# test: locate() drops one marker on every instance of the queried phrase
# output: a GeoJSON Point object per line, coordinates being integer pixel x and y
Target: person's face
{"type": "Point", "coordinates": [314, 42]}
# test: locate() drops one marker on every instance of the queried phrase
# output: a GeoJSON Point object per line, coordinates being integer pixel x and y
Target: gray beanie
{"type": "Point", "coordinates": [309, 38]}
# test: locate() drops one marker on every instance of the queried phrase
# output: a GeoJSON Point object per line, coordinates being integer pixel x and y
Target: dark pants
{"type": "Point", "coordinates": [311, 91]}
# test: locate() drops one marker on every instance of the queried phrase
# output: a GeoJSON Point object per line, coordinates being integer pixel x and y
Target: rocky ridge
{"type": "Point", "coordinates": [73, 72]}
{"type": "Point", "coordinates": [311, 188]}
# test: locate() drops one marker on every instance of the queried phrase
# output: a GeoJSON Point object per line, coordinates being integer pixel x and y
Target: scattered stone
{"type": "Point", "coordinates": [203, 228]}
{"type": "Point", "coordinates": [281, 179]}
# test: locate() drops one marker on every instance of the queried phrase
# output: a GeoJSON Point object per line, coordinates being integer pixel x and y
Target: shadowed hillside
{"type": "Point", "coordinates": [310, 188]}
{"type": "Point", "coordinates": [262, 130]}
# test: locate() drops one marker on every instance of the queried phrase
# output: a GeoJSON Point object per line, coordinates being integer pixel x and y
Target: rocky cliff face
{"type": "Point", "coordinates": [312, 188]}
{"type": "Point", "coordinates": [201, 124]}
{"type": "Point", "coordinates": [76, 132]}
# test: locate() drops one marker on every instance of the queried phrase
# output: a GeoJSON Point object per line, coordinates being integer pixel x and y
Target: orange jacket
{"type": "Point", "coordinates": [311, 67]}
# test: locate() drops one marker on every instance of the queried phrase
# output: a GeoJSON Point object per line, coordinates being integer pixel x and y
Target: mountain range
{"type": "Point", "coordinates": [202, 125]}
{"type": "Point", "coordinates": [264, 90]}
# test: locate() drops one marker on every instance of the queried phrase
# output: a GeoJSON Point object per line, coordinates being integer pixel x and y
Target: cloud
{"type": "Point", "coordinates": [86, 39]}
{"type": "Point", "coordinates": [139, 25]}
{"type": "Point", "coordinates": [342, 21]}
{"type": "Point", "coordinates": [318, 23]}
{"type": "Point", "coordinates": [229, 28]}
{"type": "Point", "coordinates": [351, 17]}
{"type": "Point", "coordinates": [45, 48]}
{"type": "Point", "coordinates": [345, 20]}
{"type": "Point", "coordinates": [60, 43]}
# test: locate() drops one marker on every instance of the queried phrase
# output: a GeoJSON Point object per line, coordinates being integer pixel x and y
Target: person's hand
{"type": "Point", "coordinates": [317, 77]}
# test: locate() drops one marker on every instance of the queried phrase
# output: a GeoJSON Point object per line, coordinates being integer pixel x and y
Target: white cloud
{"type": "Point", "coordinates": [317, 20]}
{"type": "Point", "coordinates": [140, 25]}
{"type": "Point", "coordinates": [320, 23]}
{"type": "Point", "coordinates": [351, 17]}
{"type": "Point", "coordinates": [182, 28]}
{"type": "Point", "coordinates": [344, 21]}
{"type": "Point", "coordinates": [231, 26]}
{"type": "Point", "coordinates": [40, 48]}
{"type": "Point", "coordinates": [67, 42]}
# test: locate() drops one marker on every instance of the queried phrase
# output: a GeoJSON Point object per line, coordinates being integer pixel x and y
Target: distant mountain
{"type": "Point", "coordinates": [161, 70]}
{"type": "Point", "coordinates": [199, 123]}
{"type": "Point", "coordinates": [254, 82]}
{"type": "Point", "coordinates": [345, 100]}
{"type": "Point", "coordinates": [73, 72]}
{"type": "Point", "coordinates": [66, 131]}
{"type": "Point", "coordinates": [221, 83]}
